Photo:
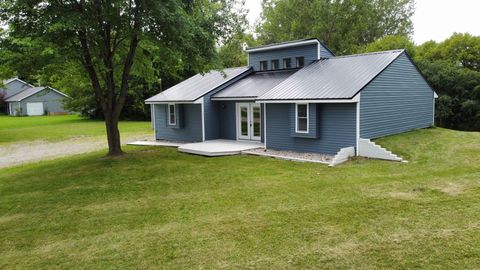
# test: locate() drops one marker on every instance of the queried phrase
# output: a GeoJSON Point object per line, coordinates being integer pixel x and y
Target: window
{"type": "Point", "coordinates": [275, 64]}
{"type": "Point", "coordinates": [287, 63]}
{"type": "Point", "coordinates": [172, 115]}
{"type": "Point", "coordinates": [300, 62]}
{"type": "Point", "coordinates": [301, 116]}
{"type": "Point", "coordinates": [263, 65]}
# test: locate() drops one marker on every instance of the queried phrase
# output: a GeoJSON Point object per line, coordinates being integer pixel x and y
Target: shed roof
{"type": "Point", "coordinates": [254, 85]}
{"type": "Point", "coordinates": [197, 86]}
{"type": "Point", "coordinates": [339, 77]}
{"type": "Point", "coordinates": [30, 92]}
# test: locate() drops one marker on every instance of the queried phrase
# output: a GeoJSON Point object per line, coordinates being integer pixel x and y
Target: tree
{"type": "Point", "coordinates": [104, 36]}
{"type": "Point", "coordinates": [344, 25]}
{"type": "Point", "coordinates": [232, 53]}
{"type": "Point", "coordinates": [391, 43]}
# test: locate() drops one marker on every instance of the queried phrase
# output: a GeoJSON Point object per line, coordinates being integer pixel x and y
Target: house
{"type": "Point", "coordinates": [299, 96]}
{"type": "Point", "coordinates": [22, 98]}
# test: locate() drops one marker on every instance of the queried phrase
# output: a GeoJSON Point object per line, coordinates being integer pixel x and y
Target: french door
{"type": "Point", "coordinates": [249, 121]}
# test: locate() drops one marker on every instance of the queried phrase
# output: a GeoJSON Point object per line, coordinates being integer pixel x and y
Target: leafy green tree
{"type": "Point", "coordinates": [232, 53]}
{"type": "Point", "coordinates": [105, 39]}
{"type": "Point", "coordinates": [391, 43]}
{"type": "Point", "coordinates": [461, 49]}
{"type": "Point", "coordinates": [344, 25]}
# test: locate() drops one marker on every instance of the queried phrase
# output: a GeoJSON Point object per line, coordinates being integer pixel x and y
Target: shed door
{"type": "Point", "coordinates": [35, 108]}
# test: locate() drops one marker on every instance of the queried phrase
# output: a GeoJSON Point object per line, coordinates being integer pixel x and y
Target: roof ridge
{"type": "Point", "coordinates": [364, 54]}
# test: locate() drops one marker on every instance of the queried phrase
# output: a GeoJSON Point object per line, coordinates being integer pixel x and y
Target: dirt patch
{"type": "Point", "coordinates": [453, 189]}
{"type": "Point", "coordinates": [19, 153]}
{"type": "Point", "coordinates": [5, 219]}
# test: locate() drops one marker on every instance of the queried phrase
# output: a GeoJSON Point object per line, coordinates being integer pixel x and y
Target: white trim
{"type": "Point", "coordinates": [265, 125]}
{"type": "Point", "coordinates": [318, 48]}
{"type": "Point", "coordinates": [154, 120]}
{"type": "Point", "coordinates": [232, 98]}
{"type": "Point", "coordinates": [357, 128]}
{"type": "Point", "coordinates": [281, 46]}
{"type": "Point", "coordinates": [433, 120]}
{"type": "Point", "coordinates": [296, 118]}
{"type": "Point", "coordinates": [169, 102]}
{"type": "Point", "coordinates": [203, 118]}
{"type": "Point", "coordinates": [152, 115]}
{"type": "Point", "coordinates": [169, 112]}
{"type": "Point", "coordinates": [353, 100]}
{"type": "Point", "coordinates": [238, 121]}
{"type": "Point", "coordinates": [252, 120]}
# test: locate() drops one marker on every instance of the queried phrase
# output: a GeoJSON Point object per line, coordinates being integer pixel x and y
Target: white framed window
{"type": "Point", "coordinates": [301, 117]}
{"type": "Point", "coordinates": [172, 114]}
{"type": "Point", "coordinates": [275, 64]}
{"type": "Point", "coordinates": [287, 63]}
{"type": "Point", "coordinates": [263, 65]}
{"type": "Point", "coordinates": [300, 62]}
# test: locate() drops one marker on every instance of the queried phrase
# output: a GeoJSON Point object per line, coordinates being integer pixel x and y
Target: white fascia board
{"type": "Point", "coordinates": [55, 90]}
{"type": "Point", "coordinates": [170, 102]}
{"type": "Point", "coordinates": [353, 100]}
{"type": "Point", "coordinates": [282, 46]}
{"type": "Point", "coordinates": [233, 98]}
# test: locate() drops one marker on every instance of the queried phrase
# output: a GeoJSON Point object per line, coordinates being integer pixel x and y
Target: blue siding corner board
{"type": "Point", "coordinates": [336, 128]}
{"type": "Point", "coordinates": [397, 100]}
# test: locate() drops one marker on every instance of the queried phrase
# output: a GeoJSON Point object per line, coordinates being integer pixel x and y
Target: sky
{"type": "Point", "coordinates": [433, 19]}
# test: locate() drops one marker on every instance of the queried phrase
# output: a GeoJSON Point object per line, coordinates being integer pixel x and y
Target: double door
{"type": "Point", "coordinates": [249, 121]}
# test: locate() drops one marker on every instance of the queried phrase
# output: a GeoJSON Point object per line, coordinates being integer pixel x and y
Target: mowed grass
{"type": "Point", "coordinates": [62, 127]}
{"type": "Point", "coordinates": [157, 208]}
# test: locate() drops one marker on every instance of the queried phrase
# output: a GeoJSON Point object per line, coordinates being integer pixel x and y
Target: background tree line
{"type": "Point", "coordinates": [346, 26]}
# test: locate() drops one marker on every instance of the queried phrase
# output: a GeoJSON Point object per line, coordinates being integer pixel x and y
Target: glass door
{"type": "Point", "coordinates": [249, 120]}
{"type": "Point", "coordinates": [256, 120]}
{"type": "Point", "coordinates": [243, 121]}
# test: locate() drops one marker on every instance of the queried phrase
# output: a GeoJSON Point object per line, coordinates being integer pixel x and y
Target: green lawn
{"type": "Point", "coordinates": [157, 208]}
{"type": "Point", "coordinates": [56, 128]}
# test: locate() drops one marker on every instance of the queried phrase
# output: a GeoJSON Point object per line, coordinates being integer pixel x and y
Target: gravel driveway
{"type": "Point", "coordinates": [19, 153]}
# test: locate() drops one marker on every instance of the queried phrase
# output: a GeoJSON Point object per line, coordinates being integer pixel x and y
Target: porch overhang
{"type": "Point", "coordinates": [355, 99]}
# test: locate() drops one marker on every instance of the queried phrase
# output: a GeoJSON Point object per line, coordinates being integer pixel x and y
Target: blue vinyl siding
{"type": "Point", "coordinates": [309, 52]}
{"type": "Point", "coordinates": [190, 129]}
{"type": "Point", "coordinates": [398, 100]}
{"type": "Point", "coordinates": [335, 127]}
{"type": "Point", "coordinates": [227, 120]}
{"type": "Point", "coordinates": [325, 53]}
{"type": "Point", "coordinates": [211, 110]}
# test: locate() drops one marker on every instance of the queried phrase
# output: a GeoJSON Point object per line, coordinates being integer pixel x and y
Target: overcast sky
{"type": "Point", "coordinates": [433, 19]}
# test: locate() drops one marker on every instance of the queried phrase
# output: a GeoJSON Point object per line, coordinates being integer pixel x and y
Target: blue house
{"type": "Point", "coordinates": [299, 96]}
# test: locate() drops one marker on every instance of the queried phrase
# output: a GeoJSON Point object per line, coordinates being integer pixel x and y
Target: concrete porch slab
{"type": "Point", "coordinates": [156, 143]}
{"type": "Point", "coordinates": [220, 147]}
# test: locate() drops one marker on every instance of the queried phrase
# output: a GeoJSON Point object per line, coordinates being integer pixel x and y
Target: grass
{"type": "Point", "coordinates": [157, 208]}
{"type": "Point", "coordinates": [57, 128]}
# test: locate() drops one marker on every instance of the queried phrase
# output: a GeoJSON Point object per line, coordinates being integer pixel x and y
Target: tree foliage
{"type": "Point", "coordinates": [392, 43]}
{"type": "Point", "coordinates": [344, 25]}
{"type": "Point", "coordinates": [113, 43]}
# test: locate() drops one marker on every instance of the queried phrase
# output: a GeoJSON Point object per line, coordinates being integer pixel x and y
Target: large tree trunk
{"type": "Point", "coordinates": [113, 136]}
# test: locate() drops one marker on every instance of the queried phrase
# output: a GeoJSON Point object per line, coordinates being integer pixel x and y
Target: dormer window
{"type": "Point", "coordinates": [287, 63]}
{"type": "Point", "coordinates": [300, 62]}
{"type": "Point", "coordinates": [275, 64]}
{"type": "Point", "coordinates": [263, 65]}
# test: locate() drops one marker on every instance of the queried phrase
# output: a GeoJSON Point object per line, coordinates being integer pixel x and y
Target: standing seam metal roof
{"type": "Point", "coordinates": [339, 77]}
{"type": "Point", "coordinates": [24, 94]}
{"type": "Point", "coordinates": [197, 86]}
{"type": "Point", "coordinates": [254, 85]}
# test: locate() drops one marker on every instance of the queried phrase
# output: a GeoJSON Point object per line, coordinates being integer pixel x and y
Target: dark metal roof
{"type": "Point", "coordinates": [254, 85]}
{"type": "Point", "coordinates": [339, 77]}
{"type": "Point", "coordinates": [197, 86]}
